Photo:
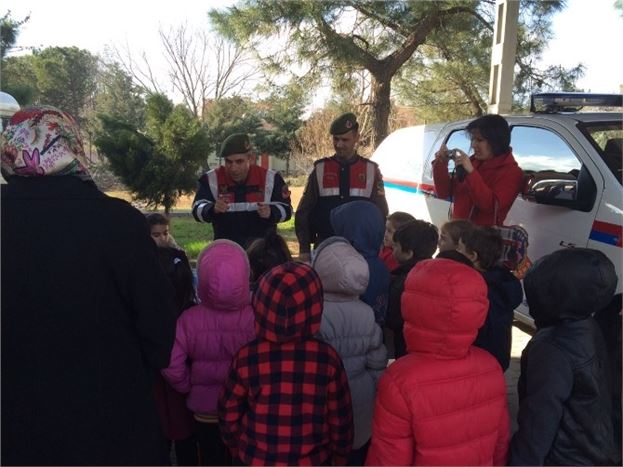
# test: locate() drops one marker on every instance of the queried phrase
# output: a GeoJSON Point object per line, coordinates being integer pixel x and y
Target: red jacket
{"type": "Point", "coordinates": [498, 180]}
{"type": "Point", "coordinates": [444, 403]}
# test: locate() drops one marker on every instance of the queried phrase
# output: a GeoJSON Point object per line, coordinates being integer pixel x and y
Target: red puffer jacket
{"type": "Point", "coordinates": [444, 403]}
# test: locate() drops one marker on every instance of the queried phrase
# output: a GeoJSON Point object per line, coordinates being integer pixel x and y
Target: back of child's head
{"type": "Point", "coordinates": [177, 268]}
{"type": "Point", "coordinates": [419, 237]}
{"type": "Point", "coordinates": [487, 243]}
{"type": "Point", "coordinates": [438, 292]}
{"type": "Point", "coordinates": [569, 284]}
{"type": "Point", "coordinates": [400, 218]}
{"type": "Point", "coordinates": [267, 252]}
{"type": "Point", "coordinates": [362, 223]}
{"type": "Point", "coordinates": [223, 275]}
{"type": "Point", "coordinates": [288, 303]}
{"type": "Point", "coordinates": [451, 233]}
{"type": "Point", "coordinates": [342, 269]}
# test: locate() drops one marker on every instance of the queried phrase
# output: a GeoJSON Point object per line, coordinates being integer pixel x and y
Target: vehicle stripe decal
{"type": "Point", "coordinates": [411, 187]}
{"type": "Point", "coordinates": [604, 232]}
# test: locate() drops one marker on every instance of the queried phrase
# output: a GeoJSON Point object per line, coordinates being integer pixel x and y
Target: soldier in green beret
{"type": "Point", "coordinates": [241, 199]}
{"type": "Point", "coordinates": [345, 176]}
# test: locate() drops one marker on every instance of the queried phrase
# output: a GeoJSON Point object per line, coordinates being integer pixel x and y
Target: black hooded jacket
{"type": "Point", "coordinates": [564, 389]}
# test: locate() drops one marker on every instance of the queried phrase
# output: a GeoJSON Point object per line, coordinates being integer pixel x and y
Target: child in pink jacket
{"type": "Point", "coordinates": [207, 337]}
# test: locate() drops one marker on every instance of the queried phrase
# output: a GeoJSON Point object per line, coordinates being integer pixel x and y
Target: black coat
{"type": "Point", "coordinates": [565, 391]}
{"type": "Point", "coordinates": [87, 318]}
{"type": "Point", "coordinates": [565, 403]}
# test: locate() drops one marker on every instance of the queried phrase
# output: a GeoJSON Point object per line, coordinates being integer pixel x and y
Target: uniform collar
{"type": "Point", "coordinates": [354, 159]}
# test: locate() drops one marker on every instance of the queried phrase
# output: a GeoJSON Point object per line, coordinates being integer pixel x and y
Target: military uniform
{"type": "Point", "coordinates": [333, 182]}
{"type": "Point", "coordinates": [241, 223]}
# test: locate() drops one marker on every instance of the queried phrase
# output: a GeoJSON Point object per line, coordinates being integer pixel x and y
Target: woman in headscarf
{"type": "Point", "coordinates": [87, 312]}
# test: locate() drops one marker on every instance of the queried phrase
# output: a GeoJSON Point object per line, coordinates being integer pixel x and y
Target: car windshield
{"type": "Point", "coordinates": [607, 138]}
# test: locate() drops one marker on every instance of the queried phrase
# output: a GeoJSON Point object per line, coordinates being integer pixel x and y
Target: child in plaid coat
{"type": "Point", "coordinates": [286, 400]}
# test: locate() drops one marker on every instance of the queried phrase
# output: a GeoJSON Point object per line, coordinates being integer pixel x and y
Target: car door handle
{"type": "Point", "coordinates": [566, 245]}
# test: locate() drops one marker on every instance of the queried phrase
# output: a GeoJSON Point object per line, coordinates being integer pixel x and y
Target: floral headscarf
{"type": "Point", "coordinates": [41, 141]}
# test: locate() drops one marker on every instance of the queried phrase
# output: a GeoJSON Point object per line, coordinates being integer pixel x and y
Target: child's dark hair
{"type": "Point", "coordinates": [155, 218]}
{"type": "Point", "coordinates": [266, 253]}
{"type": "Point", "coordinates": [418, 236]}
{"type": "Point", "coordinates": [400, 218]}
{"type": "Point", "coordinates": [177, 268]}
{"type": "Point", "coordinates": [456, 228]}
{"type": "Point", "coordinates": [486, 242]}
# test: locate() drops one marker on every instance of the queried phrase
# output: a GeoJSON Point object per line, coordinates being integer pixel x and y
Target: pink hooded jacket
{"type": "Point", "coordinates": [209, 334]}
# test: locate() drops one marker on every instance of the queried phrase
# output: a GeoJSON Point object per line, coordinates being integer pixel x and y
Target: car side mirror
{"type": "Point", "coordinates": [558, 189]}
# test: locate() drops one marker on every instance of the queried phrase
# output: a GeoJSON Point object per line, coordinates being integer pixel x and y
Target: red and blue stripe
{"type": "Point", "coordinates": [604, 232]}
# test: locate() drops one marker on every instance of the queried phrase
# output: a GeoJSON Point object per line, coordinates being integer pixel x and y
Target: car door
{"type": "Point", "coordinates": [543, 146]}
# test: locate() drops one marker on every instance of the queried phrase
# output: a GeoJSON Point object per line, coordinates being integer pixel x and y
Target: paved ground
{"type": "Point", "coordinates": [520, 339]}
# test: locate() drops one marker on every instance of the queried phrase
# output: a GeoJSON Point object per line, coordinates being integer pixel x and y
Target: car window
{"type": "Point", "coordinates": [607, 138]}
{"type": "Point", "coordinates": [539, 150]}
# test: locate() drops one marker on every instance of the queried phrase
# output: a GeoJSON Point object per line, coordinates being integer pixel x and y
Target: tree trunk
{"type": "Point", "coordinates": [381, 89]}
{"type": "Point", "coordinates": [167, 204]}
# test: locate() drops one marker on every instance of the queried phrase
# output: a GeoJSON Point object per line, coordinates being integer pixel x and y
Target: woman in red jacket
{"type": "Point", "coordinates": [444, 403]}
{"type": "Point", "coordinates": [486, 184]}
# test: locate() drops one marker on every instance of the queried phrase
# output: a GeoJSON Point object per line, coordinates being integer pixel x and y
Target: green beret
{"type": "Point", "coordinates": [344, 123]}
{"type": "Point", "coordinates": [238, 143]}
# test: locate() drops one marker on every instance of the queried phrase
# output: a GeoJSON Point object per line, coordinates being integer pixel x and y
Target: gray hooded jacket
{"type": "Point", "coordinates": [348, 325]}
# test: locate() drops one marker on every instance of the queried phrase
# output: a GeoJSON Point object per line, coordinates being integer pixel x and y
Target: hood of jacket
{"type": "Point", "coordinates": [223, 276]}
{"type": "Point", "coordinates": [288, 303]}
{"type": "Point", "coordinates": [343, 271]}
{"type": "Point", "coordinates": [362, 224]}
{"type": "Point", "coordinates": [444, 303]}
{"type": "Point", "coordinates": [569, 284]}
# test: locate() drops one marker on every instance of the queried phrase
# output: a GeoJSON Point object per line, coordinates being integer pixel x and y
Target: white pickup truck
{"type": "Point", "coordinates": [576, 196]}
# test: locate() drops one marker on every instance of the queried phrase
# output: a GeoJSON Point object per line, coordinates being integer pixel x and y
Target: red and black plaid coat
{"type": "Point", "coordinates": [286, 400]}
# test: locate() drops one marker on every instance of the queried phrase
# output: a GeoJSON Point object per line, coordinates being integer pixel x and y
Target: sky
{"type": "Point", "coordinates": [587, 31]}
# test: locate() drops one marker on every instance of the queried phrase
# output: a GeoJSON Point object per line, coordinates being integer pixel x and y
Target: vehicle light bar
{"type": "Point", "coordinates": [572, 101]}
